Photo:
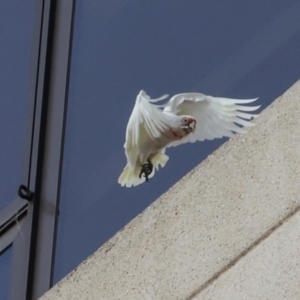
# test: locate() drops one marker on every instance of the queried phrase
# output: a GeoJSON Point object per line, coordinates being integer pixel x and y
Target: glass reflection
{"type": "Point", "coordinates": [249, 50]}
{"type": "Point", "coordinates": [5, 267]}
{"type": "Point", "coordinates": [16, 26]}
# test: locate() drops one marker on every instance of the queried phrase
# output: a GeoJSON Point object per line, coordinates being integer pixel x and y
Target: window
{"type": "Point", "coordinates": [5, 268]}
{"type": "Point", "coordinates": [16, 26]}
{"type": "Point", "coordinates": [16, 39]}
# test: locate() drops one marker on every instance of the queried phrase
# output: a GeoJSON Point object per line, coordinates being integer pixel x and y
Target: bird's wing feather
{"type": "Point", "coordinates": [216, 117]}
{"type": "Point", "coordinates": [147, 121]}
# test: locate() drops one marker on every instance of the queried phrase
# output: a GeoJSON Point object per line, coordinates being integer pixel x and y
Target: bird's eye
{"type": "Point", "coordinates": [184, 120]}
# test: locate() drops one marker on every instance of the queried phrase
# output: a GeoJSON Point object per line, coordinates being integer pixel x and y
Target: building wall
{"type": "Point", "coordinates": [228, 228]}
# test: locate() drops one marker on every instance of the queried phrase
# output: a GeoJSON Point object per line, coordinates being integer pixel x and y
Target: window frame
{"type": "Point", "coordinates": [43, 249]}
{"type": "Point", "coordinates": [30, 225]}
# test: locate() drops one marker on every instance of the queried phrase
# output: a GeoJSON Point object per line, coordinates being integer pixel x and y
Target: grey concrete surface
{"type": "Point", "coordinates": [270, 271]}
{"type": "Point", "coordinates": [211, 219]}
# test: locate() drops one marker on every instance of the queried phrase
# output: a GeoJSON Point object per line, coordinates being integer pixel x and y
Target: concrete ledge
{"type": "Point", "coordinates": [217, 213]}
{"type": "Point", "coordinates": [270, 271]}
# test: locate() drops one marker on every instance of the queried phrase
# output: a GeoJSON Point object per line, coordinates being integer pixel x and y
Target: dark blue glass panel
{"type": "Point", "coordinates": [5, 269]}
{"type": "Point", "coordinates": [16, 27]}
{"type": "Point", "coordinates": [231, 48]}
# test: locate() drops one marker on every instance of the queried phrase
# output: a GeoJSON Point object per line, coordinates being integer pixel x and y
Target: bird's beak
{"type": "Point", "coordinates": [192, 126]}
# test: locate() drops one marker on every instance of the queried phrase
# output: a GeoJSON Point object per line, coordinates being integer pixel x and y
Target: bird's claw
{"type": "Point", "coordinates": [146, 170]}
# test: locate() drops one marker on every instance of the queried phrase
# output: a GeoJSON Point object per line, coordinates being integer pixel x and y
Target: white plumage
{"type": "Point", "coordinates": [186, 117]}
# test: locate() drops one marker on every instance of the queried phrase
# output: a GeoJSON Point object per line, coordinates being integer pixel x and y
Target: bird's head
{"type": "Point", "coordinates": [187, 124]}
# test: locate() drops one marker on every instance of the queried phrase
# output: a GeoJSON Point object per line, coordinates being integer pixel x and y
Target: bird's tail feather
{"type": "Point", "coordinates": [131, 177]}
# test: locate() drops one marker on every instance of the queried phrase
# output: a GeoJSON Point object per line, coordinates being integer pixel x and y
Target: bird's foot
{"type": "Point", "coordinates": [146, 169]}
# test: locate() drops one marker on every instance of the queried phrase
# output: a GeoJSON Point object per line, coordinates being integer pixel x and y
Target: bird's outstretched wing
{"type": "Point", "coordinates": [147, 121]}
{"type": "Point", "coordinates": [216, 117]}
{"type": "Point", "coordinates": [148, 115]}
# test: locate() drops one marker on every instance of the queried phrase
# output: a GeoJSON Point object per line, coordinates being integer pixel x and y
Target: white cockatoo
{"type": "Point", "coordinates": [186, 117]}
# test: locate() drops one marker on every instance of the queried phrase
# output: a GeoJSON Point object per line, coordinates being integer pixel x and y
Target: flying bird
{"type": "Point", "coordinates": [186, 117]}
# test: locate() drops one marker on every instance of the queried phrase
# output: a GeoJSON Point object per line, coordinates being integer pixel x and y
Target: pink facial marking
{"type": "Point", "coordinates": [178, 136]}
